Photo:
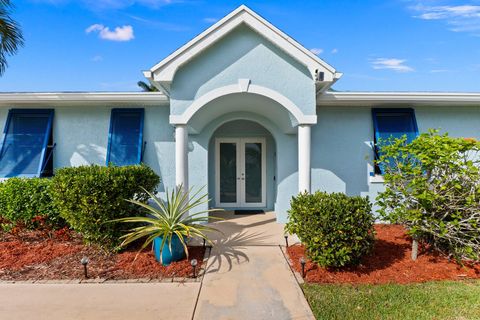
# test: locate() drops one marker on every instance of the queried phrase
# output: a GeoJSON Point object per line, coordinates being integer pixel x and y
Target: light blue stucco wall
{"type": "Point", "coordinates": [81, 135]}
{"type": "Point", "coordinates": [339, 148]}
{"type": "Point", "coordinates": [243, 54]}
{"type": "Point", "coordinates": [457, 121]}
{"type": "Point", "coordinates": [341, 152]}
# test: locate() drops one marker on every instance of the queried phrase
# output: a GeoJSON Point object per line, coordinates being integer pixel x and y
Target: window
{"type": "Point", "coordinates": [394, 123]}
{"type": "Point", "coordinates": [125, 139]}
{"type": "Point", "coordinates": [25, 149]}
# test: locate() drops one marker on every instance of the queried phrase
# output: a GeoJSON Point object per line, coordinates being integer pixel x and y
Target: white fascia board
{"type": "Point", "coordinates": [83, 98]}
{"type": "Point", "coordinates": [165, 70]}
{"type": "Point", "coordinates": [392, 98]}
{"type": "Point", "coordinates": [323, 86]}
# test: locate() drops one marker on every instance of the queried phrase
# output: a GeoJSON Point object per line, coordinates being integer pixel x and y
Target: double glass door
{"type": "Point", "coordinates": [240, 172]}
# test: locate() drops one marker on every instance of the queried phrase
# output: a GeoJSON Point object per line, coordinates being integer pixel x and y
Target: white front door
{"type": "Point", "coordinates": [240, 173]}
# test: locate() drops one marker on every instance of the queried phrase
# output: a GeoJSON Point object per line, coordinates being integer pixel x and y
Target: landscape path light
{"type": "Point", "coordinates": [302, 262]}
{"type": "Point", "coordinates": [194, 264]}
{"type": "Point", "coordinates": [286, 239]}
{"type": "Point", "coordinates": [84, 263]}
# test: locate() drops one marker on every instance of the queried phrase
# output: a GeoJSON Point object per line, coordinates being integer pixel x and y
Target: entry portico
{"type": "Point", "coordinates": [243, 68]}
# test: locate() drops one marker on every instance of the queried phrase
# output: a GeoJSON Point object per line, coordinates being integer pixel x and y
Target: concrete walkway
{"type": "Point", "coordinates": [98, 301]}
{"type": "Point", "coordinates": [247, 276]}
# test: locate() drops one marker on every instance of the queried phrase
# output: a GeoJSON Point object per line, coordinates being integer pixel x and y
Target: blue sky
{"type": "Point", "coordinates": [103, 45]}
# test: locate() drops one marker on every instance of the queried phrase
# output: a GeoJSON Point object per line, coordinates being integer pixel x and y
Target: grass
{"type": "Point", "coordinates": [434, 300]}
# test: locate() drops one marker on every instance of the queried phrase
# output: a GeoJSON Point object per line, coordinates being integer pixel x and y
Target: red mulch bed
{"type": "Point", "coordinates": [390, 262]}
{"type": "Point", "coordinates": [35, 255]}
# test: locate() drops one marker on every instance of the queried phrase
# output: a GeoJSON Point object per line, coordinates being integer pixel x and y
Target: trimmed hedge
{"type": "Point", "coordinates": [89, 197]}
{"type": "Point", "coordinates": [24, 200]}
{"type": "Point", "coordinates": [337, 230]}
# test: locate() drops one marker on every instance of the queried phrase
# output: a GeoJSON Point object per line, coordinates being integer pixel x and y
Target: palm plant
{"type": "Point", "coordinates": [11, 37]}
{"type": "Point", "coordinates": [175, 216]}
{"type": "Point", "coordinates": [145, 86]}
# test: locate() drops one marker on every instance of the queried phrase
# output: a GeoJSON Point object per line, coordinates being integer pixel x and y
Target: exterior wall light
{"type": "Point", "coordinates": [319, 76]}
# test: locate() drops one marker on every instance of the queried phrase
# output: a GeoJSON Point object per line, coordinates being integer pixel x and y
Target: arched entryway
{"type": "Point", "coordinates": [242, 166]}
{"type": "Point", "coordinates": [290, 139]}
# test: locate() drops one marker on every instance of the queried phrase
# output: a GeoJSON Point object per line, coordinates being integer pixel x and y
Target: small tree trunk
{"type": "Point", "coordinates": [414, 249]}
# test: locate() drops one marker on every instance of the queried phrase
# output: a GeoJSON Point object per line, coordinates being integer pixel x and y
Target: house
{"type": "Point", "coordinates": [243, 109]}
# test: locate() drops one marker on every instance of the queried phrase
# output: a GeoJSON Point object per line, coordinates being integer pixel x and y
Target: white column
{"type": "Point", "coordinates": [181, 155]}
{"type": "Point", "coordinates": [304, 145]}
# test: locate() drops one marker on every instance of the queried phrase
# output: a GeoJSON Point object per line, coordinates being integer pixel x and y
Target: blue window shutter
{"type": "Point", "coordinates": [125, 138]}
{"type": "Point", "coordinates": [393, 123]}
{"type": "Point", "coordinates": [25, 140]}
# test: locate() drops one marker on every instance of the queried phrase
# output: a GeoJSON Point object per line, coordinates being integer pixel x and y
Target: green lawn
{"type": "Point", "coordinates": [434, 300]}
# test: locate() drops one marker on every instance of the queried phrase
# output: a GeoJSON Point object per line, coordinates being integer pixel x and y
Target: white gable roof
{"type": "Point", "coordinates": [164, 71]}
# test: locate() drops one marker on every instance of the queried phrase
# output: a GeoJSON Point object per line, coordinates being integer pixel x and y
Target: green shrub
{"type": "Point", "coordinates": [24, 200]}
{"type": "Point", "coordinates": [337, 230]}
{"type": "Point", "coordinates": [89, 197]}
{"type": "Point", "coordinates": [432, 187]}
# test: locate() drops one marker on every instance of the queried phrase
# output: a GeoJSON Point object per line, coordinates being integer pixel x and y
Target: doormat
{"type": "Point", "coordinates": [242, 212]}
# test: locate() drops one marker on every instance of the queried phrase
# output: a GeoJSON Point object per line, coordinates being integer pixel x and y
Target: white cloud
{"type": "Point", "coordinates": [439, 70]}
{"type": "Point", "coordinates": [153, 23]}
{"type": "Point", "coordinates": [210, 20]}
{"type": "Point", "coordinates": [155, 3]}
{"type": "Point", "coordinates": [391, 64]}
{"type": "Point", "coordinates": [460, 18]}
{"type": "Point", "coordinates": [95, 27]}
{"type": "Point", "coordinates": [97, 58]}
{"type": "Point", "coordinates": [316, 51]}
{"type": "Point", "coordinates": [335, 50]}
{"type": "Point", "coordinates": [124, 33]}
{"type": "Point", "coordinates": [447, 12]}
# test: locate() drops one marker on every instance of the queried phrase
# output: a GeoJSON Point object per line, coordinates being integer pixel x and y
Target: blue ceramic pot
{"type": "Point", "coordinates": [177, 253]}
